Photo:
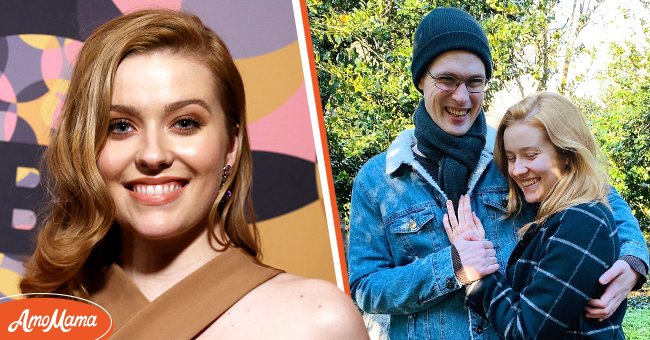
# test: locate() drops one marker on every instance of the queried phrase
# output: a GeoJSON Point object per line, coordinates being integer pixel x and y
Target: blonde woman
{"type": "Point", "coordinates": [545, 149]}
{"type": "Point", "coordinates": [150, 174]}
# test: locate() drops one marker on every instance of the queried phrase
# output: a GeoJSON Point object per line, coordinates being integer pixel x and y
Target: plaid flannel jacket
{"type": "Point", "coordinates": [552, 273]}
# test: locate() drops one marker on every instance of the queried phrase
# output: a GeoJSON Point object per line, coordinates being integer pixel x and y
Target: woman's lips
{"type": "Point", "coordinates": [529, 186]}
{"type": "Point", "coordinates": [156, 193]}
{"type": "Point", "coordinates": [529, 182]}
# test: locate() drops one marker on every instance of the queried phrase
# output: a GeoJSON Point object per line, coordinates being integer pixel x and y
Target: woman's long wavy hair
{"type": "Point", "coordinates": [584, 178]}
{"type": "Point", "coordinates": [78, 239]}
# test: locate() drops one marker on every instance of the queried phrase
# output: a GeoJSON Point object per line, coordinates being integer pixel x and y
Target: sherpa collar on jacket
{"type": "Point", "coordinates": [400, 152]}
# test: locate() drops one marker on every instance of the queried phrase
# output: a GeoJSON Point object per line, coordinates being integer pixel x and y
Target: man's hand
{"type": "Point", "coordinates": [620, 279]}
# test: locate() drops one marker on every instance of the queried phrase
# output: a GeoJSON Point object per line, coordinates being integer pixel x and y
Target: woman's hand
{"type": "Point", "coordinates": [473, 256]}
{"type": "Point", "coordinates": [467, 220]}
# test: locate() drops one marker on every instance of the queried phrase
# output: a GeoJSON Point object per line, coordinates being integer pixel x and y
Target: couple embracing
{"type": "Point", "coordinates": [460, 233]}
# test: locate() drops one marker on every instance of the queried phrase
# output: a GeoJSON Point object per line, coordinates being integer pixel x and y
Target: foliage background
{"type": "Point", "coordinates": [363, 49]}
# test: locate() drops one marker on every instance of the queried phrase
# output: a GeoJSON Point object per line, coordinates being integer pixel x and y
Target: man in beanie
{"type": "Point", "coordinates": [400, 258]}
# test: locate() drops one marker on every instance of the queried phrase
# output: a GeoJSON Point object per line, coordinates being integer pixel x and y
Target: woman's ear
{"type": "Point", "coordinates": [566, 156]}
{"type": "Point", "coordinates": [234, 143]}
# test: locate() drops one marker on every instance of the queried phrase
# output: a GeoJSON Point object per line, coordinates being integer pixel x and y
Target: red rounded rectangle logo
{"type": "Point", "coordinates": [53, 316]}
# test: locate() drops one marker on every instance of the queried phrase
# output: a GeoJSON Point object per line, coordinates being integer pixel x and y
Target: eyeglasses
{"type": "Point", "coordinates": [450, 84]}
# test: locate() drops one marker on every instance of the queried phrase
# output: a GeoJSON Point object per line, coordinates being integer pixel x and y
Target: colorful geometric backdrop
{"type": "Point", "coordinates": [39, 40]}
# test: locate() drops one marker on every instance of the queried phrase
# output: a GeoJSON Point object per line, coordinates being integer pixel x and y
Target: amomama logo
{"type": "Point", "coordinates": [52, 316]}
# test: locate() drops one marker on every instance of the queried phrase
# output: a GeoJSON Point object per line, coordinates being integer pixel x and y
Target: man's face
{"type": "Point", "coordinates": [453, 111]}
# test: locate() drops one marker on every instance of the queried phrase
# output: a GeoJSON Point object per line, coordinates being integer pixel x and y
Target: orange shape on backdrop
{"type": "Point", "coordinates": [303, 231]}
{"type": "Point", "coordinates": [298, 242]}
{"type": "Point", "coordinates": [270, 79]}
{"type": "Point", "coordinates": [41, 113]}
{"type": "Point", "coordinates": [32, 112]}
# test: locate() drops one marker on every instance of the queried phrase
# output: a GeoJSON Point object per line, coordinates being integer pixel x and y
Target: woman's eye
{"type": "Point", "coordinates": [186, 124]}
{"type": "Point", "coordinates": [120, 127]}
{"type": "Point", "coordinates": [531, 155]}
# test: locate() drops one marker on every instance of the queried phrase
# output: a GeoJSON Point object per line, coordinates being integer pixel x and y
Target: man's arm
{"type": "Point", "coordinates": [632, 242]}
{"type": "Point", "coordinates": [630, 271]}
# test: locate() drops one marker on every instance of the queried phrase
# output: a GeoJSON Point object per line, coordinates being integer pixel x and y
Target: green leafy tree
{"type": "Point", "coordinates": [622, 124]}
{"type": "Point", "coordinates": [363, 51]}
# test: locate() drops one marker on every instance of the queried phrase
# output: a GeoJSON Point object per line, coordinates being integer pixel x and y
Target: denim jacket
{"type": "Point", "coordinates": [399, 256]}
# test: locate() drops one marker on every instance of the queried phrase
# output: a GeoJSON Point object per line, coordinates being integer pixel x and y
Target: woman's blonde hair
{"type": "Point", "coordinates": [78, 239]}
{"type": "Point", "coordinates": [585, 176]}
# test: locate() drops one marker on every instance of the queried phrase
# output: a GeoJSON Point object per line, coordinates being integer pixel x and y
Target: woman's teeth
{"type": "Point", "coordinates": [529, 182]}
{"type": "Point", "coordinates": [156, 189]}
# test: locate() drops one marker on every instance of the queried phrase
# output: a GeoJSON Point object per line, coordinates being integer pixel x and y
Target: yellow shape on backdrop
{"type": "Point", "coordinates": [52, 101]}
{"type": "Point", "coordinates": [9, 280]}
{"type": "Point", "coordinates": [270, 79]}
{"type": "Point", "coordinates": [57, 85]}
{"type": "Point", "coordinates": [40, 41]}
{"type": "Point", "coordinates": [38, 113]}
{"type": "Point", "coordinates": [22, 172]}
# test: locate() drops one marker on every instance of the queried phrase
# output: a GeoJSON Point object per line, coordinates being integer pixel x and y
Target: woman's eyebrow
{"type": "Point", "coordinates": [182, 103]}
{"type": "Point", "coordinates": [125, 109]}
{"type": "Point", "coordinates": [168, 108]}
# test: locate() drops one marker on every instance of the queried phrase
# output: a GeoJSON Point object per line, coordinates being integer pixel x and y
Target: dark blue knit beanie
{"type": "Point", "coordinates": [447, 29]}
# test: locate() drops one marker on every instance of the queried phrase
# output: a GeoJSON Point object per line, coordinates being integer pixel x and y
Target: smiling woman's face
{"type": "Point", "coordinates": [533, 161]}
{"type": "Point", "coordinates": [167, 145]}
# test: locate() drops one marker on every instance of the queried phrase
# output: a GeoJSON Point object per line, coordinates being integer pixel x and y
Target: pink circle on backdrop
{"type": "Point", "coordinates": [7, 93]}
{"type": "Point", "coordinates": [287, 130]}
{"type": "Point", "coordinates": [8, 125]}
{"type": "Point", "coordinates": [70, 49]}
{"type": "Point", "coordinates": [130, 5]}
{"type": "Point", "coordinates": [51, 63]}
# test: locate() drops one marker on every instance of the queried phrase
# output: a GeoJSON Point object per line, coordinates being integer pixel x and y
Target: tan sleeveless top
{"type": "Point", "coordinates": [186, 309]}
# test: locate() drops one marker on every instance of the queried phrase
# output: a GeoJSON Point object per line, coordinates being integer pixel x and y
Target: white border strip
{"type": "Point", "coordinates": [320, 159]}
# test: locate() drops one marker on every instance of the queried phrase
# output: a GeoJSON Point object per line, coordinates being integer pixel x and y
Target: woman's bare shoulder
{"type": "Point", "coordinates": [290, 306]}
{"type": "Point", "coordinates": [318, 305]}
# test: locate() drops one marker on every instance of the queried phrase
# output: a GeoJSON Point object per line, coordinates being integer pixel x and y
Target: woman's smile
{"type": "Point", "coordinates": [156, 191]}
{"type": "Point", "coordinates": [533, 161]}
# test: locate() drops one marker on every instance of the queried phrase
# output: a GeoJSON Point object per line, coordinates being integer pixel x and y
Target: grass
{"type": "Point", "coordinates": [636, 323]}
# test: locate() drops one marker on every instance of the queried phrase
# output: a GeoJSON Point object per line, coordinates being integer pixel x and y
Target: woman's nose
{"type": "Point", "coordinates": [518, 168]}
{"type": "Point", "coordinates": [154, 154]}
